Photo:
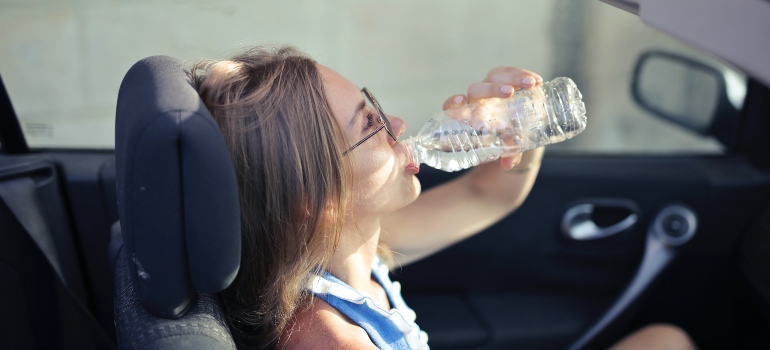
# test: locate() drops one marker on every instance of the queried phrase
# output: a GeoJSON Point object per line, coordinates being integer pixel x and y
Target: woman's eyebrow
{"type": "Point", "coordinates": [359, 108]}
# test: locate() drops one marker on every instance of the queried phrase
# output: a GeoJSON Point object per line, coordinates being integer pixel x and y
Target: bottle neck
{"type": "Point", "coordinates": [414, 151]}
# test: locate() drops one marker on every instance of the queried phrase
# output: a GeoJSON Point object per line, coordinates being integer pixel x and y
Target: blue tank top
{"type": "Point", "coordinates": [388, 329]}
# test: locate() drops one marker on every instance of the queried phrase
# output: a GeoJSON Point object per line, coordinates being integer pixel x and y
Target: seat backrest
{"type": "Point", "coordinates": [179, 212]}
{"type": "Point", "coordinates": [202, 326]}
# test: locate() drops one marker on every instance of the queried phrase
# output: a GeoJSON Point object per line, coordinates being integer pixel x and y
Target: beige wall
{"type": "Point", "coordinates": [63, 61]}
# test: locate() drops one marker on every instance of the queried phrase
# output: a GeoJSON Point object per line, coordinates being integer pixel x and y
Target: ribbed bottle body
{"type": "Point", "coordinates": [461, 138]}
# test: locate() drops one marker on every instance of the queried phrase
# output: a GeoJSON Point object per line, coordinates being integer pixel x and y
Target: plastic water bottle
{"type": "Point", "coordinates": [461, 138]}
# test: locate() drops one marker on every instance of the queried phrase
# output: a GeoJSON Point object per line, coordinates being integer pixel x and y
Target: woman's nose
{"type": "Point", "coordinates": [399, 126]}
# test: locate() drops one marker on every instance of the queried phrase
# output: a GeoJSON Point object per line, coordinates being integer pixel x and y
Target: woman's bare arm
{"type": "Point", "coordinates": [471, 203]}
{"type": "Point", "coordinates": [456, 210]}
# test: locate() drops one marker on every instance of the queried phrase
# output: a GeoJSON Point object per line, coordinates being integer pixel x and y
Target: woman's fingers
{"type": "Point", "coordinates": [454, 102]}
{"type": "Point", "coordinates": [500, 82]}
{"type": "Point", "coordinates": [480, 91]}
{"type": "Point", "coordinates": [519, 78]}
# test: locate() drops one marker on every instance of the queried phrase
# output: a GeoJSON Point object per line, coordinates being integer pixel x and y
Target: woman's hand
{"type": "Point", "coordinates": [470, 203]}
{"type": "Point", "coordinates": [499, 83]}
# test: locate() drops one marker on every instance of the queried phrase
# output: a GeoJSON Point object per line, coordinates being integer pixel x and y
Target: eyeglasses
{"type": "Point", "coordinates": [384, 123]}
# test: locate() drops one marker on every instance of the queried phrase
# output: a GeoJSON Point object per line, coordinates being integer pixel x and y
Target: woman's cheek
{"type": "Point", "coordinates": [378, 163]}
{"type": "Point", "coordinates": [373, 174]}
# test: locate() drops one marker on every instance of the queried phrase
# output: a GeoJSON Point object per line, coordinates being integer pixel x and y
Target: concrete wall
{"type": "Point", "coordinates": [62, 61]}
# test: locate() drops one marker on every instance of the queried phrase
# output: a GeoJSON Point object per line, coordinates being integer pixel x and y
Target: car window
{"type": "Point", "coordinates": [63, 63]}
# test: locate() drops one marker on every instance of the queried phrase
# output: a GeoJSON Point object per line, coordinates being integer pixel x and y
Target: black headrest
{"type": "Point", "coordinates": [176, 187]}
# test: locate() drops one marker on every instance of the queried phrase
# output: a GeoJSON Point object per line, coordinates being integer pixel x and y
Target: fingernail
{"type": "Point", "coordinates": [528, 81]}
{"type": "Point", "coordinates": [458, 99]}
{"type": "Point", "coordinates": [506, 89]}
{"type": "Point", "coordinates": [539, 80]}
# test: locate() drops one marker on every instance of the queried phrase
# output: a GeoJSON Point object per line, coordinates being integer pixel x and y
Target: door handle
{"type": "Point", "coordinates": [578, 225]}
{"type": "Point", "coordinates": [661, 246]}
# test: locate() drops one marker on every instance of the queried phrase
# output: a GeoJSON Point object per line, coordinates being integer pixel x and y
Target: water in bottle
{"type": "Point", "coordinates": [461, 138]}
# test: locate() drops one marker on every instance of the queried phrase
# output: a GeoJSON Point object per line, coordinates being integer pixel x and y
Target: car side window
{"type": "Point", "coordinates": [604, 50]}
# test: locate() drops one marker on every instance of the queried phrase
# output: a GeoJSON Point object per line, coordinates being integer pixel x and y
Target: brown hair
{"type": "Point", "coordinates": [285, 144]}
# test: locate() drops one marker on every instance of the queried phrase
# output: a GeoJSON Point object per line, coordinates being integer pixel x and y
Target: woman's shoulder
{"type": "Point", "coordinates": [318, 325]}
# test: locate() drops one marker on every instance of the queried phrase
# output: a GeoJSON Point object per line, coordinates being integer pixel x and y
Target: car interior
{"type": "Point", "coordinates": [128, 248]}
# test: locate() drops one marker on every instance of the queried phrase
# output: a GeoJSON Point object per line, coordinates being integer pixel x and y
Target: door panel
{"type": "Point", "coordinates": [533, 287]}
{"type": "Point", "coordinates": [89, 181]}
{"type": "Point", "coordinates": [48, 303]}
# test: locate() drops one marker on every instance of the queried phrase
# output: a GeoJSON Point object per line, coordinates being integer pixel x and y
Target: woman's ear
{"type": "Point", "coordinates": [330, 213]}
{"type": "Point", "coordinates": [327, 216]}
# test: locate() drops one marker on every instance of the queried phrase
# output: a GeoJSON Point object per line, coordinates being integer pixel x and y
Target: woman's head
{"type": "Point", "coordinates": [287, 122]}
{"type": "Point", "coordinates": [285, 146]}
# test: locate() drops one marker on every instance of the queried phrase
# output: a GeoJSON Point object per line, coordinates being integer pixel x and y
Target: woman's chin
{"type": "Point", "coordinates": [417, 188]}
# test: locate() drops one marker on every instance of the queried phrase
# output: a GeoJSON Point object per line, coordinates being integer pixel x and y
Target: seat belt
{"type": "Point", "coordinates": [20, 197]}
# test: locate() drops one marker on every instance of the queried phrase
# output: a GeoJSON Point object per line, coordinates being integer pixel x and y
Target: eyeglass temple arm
{"type": "Point", "coordinates": [364, 139]}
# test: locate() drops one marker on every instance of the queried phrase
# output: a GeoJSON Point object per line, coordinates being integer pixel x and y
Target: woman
{"type": "Point", "coordinates": [326, 190]}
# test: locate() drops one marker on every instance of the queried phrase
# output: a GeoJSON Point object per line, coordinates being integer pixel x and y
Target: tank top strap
{"type": "Point", "coordinates": [388, 329]}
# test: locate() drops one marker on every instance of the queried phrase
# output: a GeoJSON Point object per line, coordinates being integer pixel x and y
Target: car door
{"type": "Point", "coordinates": [609, 241]}
{"type": "Point", "coordinates": [524, 284]}
{"type": "Point", "coordinates": [58, 285]}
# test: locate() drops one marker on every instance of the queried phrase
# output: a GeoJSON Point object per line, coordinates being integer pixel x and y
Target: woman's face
{"type": "Point", "coordinates": [383, 180]}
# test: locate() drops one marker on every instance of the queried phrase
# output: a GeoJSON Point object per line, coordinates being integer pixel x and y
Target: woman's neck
{"type": "Point", "coordinates": [352, 261]}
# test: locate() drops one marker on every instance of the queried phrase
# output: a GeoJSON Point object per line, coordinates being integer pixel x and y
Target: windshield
{"type": "Point", "coordinates": [63, 63]}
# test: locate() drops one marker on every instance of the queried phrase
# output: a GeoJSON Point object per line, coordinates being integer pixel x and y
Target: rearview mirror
{"type": "Point", "coordinates": [686, 92]}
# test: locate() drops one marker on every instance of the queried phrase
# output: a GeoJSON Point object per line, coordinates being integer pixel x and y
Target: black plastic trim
{"type": "Point", "coordinates": [11, 136]}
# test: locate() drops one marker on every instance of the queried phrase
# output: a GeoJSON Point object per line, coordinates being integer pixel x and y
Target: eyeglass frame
{"type": "Point", "coordinates": [384, 122]}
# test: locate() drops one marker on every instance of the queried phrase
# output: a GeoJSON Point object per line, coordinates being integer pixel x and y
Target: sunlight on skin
{"type": "Point", "coordinates": [380, 183]}
{"type": "Point", "coordinates": [384, 171]}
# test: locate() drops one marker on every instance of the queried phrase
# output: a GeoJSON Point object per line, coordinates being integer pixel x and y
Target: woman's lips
{"type": "Point", "coordinates": [412, 166]}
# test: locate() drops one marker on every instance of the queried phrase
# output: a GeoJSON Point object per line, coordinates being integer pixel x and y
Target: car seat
{"type": "Point", "coordinates": [179, 214]}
